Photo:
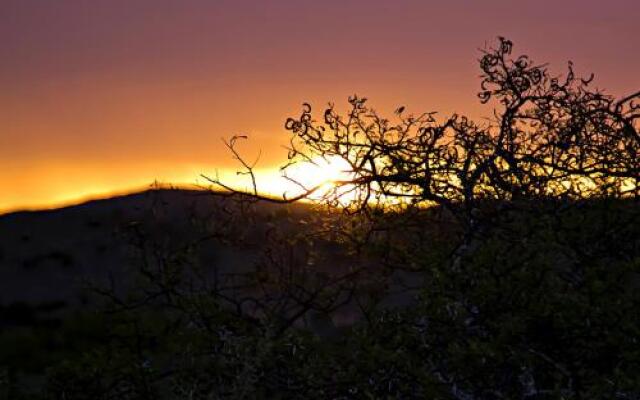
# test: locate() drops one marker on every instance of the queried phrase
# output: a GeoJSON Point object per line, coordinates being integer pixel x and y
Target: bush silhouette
{"type": "Point", "coordinates": [533, 292]}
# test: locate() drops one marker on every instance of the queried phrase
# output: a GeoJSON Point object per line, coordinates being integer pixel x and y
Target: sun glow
{"type": "Point", "coordinates": [323, 174]}
{"type": "Point", "coordinates": [65, 185]}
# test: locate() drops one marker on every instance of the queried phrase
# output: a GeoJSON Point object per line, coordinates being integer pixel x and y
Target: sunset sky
{"type": "Point", "coordinates": [106, 96]}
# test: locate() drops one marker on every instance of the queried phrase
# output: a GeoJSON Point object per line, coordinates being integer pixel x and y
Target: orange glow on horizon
{"type": "Point", "coordinates": [59, 185]}
{"type": "Point", "coordinates": [67, 184]}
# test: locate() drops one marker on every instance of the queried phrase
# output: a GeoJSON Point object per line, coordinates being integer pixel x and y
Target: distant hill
{"type": "Point", "coordinates": [46, 256]}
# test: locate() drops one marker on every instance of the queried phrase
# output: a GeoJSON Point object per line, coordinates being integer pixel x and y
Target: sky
{"type": "Point", "coordinates": [107, 96]}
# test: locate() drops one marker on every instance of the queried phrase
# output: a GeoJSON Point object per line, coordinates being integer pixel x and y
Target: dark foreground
{"type": "Point", "coordinates": [178, 295]}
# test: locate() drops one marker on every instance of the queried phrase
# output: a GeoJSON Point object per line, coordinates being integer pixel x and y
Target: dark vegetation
{"type": "Point", "coordinates": [457, 261]}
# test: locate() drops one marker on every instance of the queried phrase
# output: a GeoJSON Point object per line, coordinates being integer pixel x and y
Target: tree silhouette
{"type": "Point", "coordinates": [550, 137]}
{"type": "Point", "coordinates": [518, 227]}
{"type": "Point", "coordinates": [515, 243]}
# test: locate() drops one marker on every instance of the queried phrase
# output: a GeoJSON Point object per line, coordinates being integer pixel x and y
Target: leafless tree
{"type": "Point", "coordinates": [550, 137]}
